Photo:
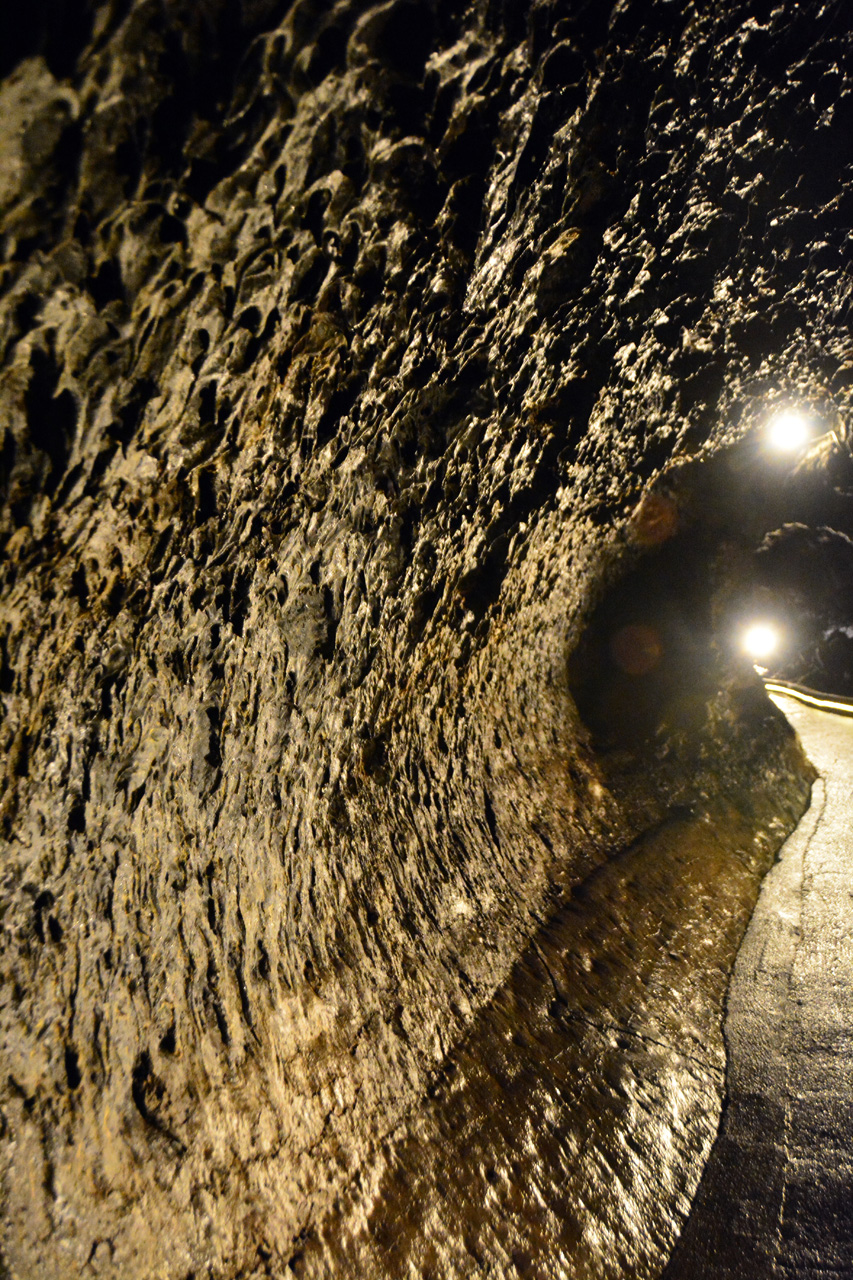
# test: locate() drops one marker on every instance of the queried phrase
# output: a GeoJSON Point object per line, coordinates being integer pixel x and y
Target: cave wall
{"type": "Point", "coordinates": [341, 346]}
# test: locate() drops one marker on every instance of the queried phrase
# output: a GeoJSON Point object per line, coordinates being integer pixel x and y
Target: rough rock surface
{"type": "Point", "coordinates": [367, 375]}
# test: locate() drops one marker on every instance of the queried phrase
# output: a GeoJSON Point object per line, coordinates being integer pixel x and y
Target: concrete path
{"type": "Point", "coordinates": [776, 1198]}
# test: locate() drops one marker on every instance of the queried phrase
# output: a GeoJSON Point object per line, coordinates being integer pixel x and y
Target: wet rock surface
{"type": "Point", "coordinates": [775, 1195]}
{"type": "Point", "coordinates": [351, 358]}
{"type": "Point", "coordinates": [564, 1135]}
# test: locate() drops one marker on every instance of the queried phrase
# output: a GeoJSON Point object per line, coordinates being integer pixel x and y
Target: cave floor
{"type": "Point", "coordinates": [776, 1198]}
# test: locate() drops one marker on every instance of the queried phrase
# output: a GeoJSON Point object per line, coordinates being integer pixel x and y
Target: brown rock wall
{"type": "Point", "coordinates": [339, 345]}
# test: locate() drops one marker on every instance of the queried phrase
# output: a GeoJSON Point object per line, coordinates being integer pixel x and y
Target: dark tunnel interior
{"type": "Point", "coordinates": [743, 566]}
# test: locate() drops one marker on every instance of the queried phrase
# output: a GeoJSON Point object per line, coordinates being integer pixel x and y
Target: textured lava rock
{"type": "Point", "coordinates": [360, 363]}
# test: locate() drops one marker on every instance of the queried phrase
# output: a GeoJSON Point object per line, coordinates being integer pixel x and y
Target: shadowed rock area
{"type": "Point", "coordinates": [383, 800]}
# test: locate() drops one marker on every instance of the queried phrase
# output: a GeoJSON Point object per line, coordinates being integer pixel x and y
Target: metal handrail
{"type": "Point", "coordinates": [834, 702]}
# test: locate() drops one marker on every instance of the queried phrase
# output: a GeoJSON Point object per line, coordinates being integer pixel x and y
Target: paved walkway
{"type": "Point", "coordinates": [776, 1198]}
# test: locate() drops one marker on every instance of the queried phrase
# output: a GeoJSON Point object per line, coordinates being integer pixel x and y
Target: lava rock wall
{"type": "Point", "coordinates": [341, 347]}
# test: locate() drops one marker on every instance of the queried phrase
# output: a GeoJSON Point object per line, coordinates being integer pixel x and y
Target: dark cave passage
{"type": "Point", "coordinates": [747, 540]}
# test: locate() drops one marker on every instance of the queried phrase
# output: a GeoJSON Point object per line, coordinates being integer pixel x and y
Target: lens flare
{"type": "Point", "coordinates": [636, 649]}
{"type": "Point", "coordinates": [761, 640]}
{"type": "Point", "coordinates": [789, 431]}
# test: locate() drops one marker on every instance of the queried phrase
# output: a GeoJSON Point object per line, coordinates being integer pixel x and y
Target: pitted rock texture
{"type": "Point", "coordinates": [346, 350]}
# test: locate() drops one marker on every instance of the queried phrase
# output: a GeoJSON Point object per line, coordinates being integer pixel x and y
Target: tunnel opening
{"type": "Point", "coordinates": [739, 566]}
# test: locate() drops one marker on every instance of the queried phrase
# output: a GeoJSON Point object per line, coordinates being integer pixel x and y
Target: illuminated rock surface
{"type": "Point", "coordinates": [563, 1136]}
{"type": "Point", "coordinates": [382, 804]}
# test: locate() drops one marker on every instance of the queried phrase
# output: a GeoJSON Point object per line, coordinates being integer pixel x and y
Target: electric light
{"type": "Point", "coordinates": [760, 640]}
{"type": "Point", "coordinates": [789, 430]}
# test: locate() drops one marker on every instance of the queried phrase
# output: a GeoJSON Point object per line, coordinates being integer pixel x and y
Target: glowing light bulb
{"type": "Point", "coordinates": [761, 640]}
{"type": "Point", "coordinates": [789, 430]}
